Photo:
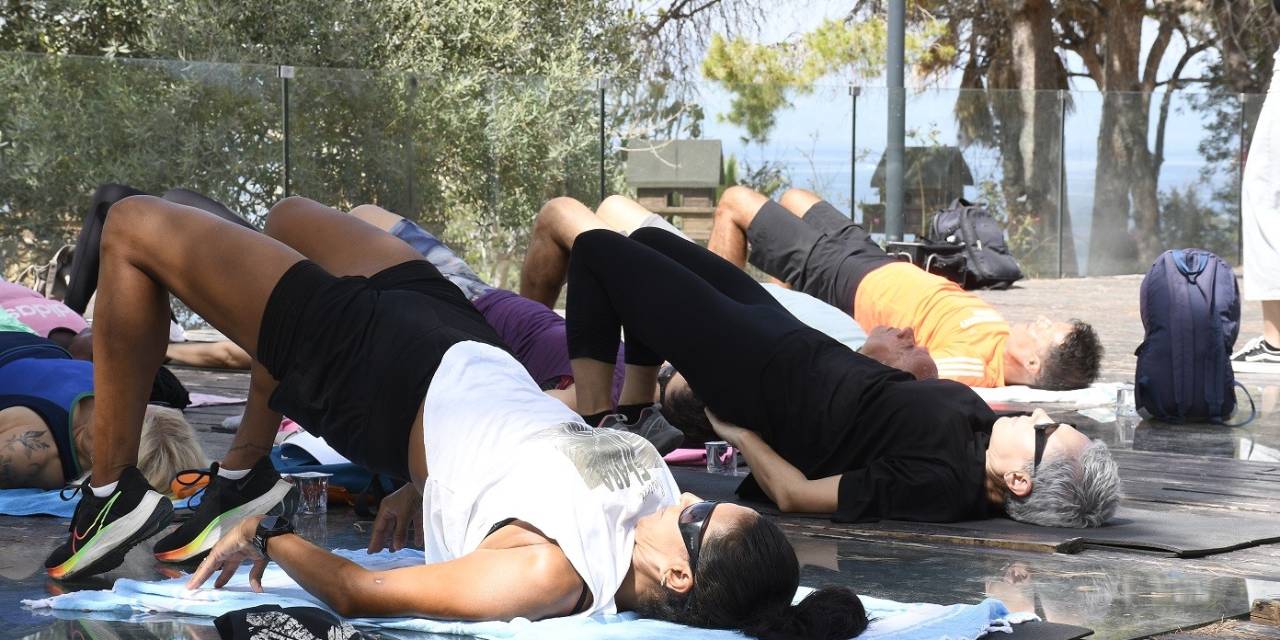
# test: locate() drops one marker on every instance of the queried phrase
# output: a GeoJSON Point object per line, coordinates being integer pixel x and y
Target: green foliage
{"type": "Point", "coordinates": [763, 77]}
{"type": "Point", "coordinates": [471, 112]}
{"type": "Point", "coordinates": [1186, 220]}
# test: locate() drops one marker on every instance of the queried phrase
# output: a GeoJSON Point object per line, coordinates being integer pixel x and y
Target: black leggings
{"type": "Point", "coordinates": [678, 302]}
{"type": "Point", "coordinates": [88, 253]}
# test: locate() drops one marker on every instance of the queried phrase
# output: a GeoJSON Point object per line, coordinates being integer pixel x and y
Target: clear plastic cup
{"type": "Point", "coordinates": [721, 458]}
{"type": "Point", "coordinates": [313, 491]}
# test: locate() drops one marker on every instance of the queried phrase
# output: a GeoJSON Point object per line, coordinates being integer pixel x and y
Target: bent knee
{"type": "Point", "coordinates": [557, 209]}
{"type": "Point", "coordinates": [738, 201]}
{"type": "Point", "coordinates": [285, 213]}
{"type": "Point", "coordinates": [376, 216]}
{"type": "Point", "coordinates": [562, 219]}
{"type": "Point", "coordinates": [798, 201]}
{"type": "Point", "coordinates": [616, 203]}
{"type": "Point", "coordinates": [131, 220]}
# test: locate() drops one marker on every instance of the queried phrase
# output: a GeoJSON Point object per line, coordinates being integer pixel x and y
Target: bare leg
{"type": "Point", "coordinates": [377, 216]}
{"type": "Point", "coordinates": [798, 201]}
{"type": "Point", "coordinates": [223, 354]}
{"type": "Point", "coordinates": [344, 245]}
{"type": "Point", "coordinates": [735, 211]}
{"type": "Point", "coordinates": [258, 426]}
{"type": "Point", "coordinates": [639, 386]}
{"type": "Point", "coordinates": [1271, 322]}
{"type": "Point", "coordinates": [222, 271]}
{"type": "Point", "coordinates": [546, 263]}
{"type": "Point", "coordinates": [622, 214]}
{"type": "Point", "coordinates": [593, 380]}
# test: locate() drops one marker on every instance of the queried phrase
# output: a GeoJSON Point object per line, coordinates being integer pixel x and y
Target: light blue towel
{"type": "Point", "coordinates": [819, 315]}
{"type": "Point", "coordinates": [47, 502]}
{"type": "Point", "coordinates": [35, 502]}
{"type": "Point", "coordinates": [893, 620]}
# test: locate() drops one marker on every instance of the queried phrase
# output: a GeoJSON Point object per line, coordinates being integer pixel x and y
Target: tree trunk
{"type": "Point", "coordinates": [1037, 74]}
{"type": "Point", "coordinates": [1124, 161]}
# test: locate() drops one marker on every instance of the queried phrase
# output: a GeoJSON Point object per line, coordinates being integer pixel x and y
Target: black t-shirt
{"type": "Point", "coordinates": [906, 449]}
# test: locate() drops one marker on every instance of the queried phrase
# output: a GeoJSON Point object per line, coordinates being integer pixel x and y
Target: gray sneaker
{"type": "Point", "coordinates": [651, 426]}
{"type": "Point", "coordinates": [1256, 357]}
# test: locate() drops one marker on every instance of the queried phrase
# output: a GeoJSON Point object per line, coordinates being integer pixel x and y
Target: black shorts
{"type": "Point", "coordinates": [355, 355]}
{"type": "Point", "coordinates": [823, 254]}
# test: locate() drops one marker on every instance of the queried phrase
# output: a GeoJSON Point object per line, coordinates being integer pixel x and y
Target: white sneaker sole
{"type": "Point", "coordinates": [110, 539]}
{"type": "Point", "coordinates": [1256, 367]}
{"type": "Point", "coordinates": [213, 532]}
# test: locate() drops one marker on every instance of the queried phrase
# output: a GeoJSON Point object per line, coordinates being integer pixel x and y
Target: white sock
{"type": "Point", "coordinates": [104, 490]}
{"type": "Point", "coordinates": [233, 474]}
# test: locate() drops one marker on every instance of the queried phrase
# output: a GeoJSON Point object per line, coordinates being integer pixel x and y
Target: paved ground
{"type": "Point", "coordinates": [1118, 594]}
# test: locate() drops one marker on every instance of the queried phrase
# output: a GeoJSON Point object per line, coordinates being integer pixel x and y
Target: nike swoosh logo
{"type": "Point", "coordinates": [76, 536]}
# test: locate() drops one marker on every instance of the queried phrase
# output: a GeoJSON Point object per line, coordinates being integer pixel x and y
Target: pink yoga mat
{"type": "Point", "coordinates": [687, 456]}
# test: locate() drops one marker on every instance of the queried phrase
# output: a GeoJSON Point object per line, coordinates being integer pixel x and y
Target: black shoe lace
{"type": "Point", "coordinates": [192, 477]}
{"type": "Point", "coordinates": [75, 487]}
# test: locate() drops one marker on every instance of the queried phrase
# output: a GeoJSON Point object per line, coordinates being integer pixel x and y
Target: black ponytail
{"type": "Point", "coordinates": [830, 613]}
{"type": "Point", "coordinates": [746, 578]}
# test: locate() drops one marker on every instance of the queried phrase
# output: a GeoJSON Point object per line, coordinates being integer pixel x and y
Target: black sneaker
{"type": "Point", "coordinates": [651, 426]}
{"type": "Point", "coordinates": [223, 504]}
{"type": "Point", "coordinates": [104, 529]}
{"type": "Point", "coordinates": [1256, 356]}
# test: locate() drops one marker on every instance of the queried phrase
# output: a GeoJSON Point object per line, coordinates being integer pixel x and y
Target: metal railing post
{"type": "Point", "coordinates": [1062, 171]}
{"type": "Point", "coordinates": [602, 83]}
{"type": "Point", "coordinates": [286, 74]}
{"type": "Point", "coordinates": [894, 183]}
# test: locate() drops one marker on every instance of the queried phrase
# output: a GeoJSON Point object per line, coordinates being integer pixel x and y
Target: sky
{"type": "Point", "coordinates": [818, 142]}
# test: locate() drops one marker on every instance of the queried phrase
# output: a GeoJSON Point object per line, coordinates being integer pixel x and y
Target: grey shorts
{"type": "Point", "coordinates": [657, 221]}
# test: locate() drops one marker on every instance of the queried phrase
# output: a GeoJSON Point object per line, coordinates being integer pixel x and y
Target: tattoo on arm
{"type": "Point", "coordinates": [22, 457]}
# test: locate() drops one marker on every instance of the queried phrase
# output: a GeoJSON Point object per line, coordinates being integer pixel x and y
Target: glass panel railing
{"type": "Point", "coordinates": [350, 139]}
{"type": "Point", "coordinates": [69, 124]}
{"type": "Point", "coordinates": [1085, 183]}
{"type": "Point", "coordinates": [1001, 148]}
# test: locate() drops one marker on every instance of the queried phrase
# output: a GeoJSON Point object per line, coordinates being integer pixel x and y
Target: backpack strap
{"type": "Point", "coordinates": [1180, 337]}
{"type": "Point", "coordinates": [1253, 409]}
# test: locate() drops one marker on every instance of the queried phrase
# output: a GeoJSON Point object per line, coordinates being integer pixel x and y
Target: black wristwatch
{"type": "Point", "coordinates": [268, 528]}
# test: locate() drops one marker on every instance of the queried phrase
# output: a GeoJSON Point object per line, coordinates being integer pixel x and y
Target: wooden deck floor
{"type": "Point", "coordinates": [1118, 594]}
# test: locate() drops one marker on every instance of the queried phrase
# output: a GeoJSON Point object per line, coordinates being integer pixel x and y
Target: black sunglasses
{"type": "Point", "coordinates": [693, 528]}
{"type": "Point", "coordinates": [1043, 431]}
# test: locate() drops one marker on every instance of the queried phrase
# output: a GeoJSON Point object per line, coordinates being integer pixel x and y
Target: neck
{"type": "Point", "coordinates": [1014, 372]}
{"type": "Point", "coordinates": [627, 596]}
{"type": "Point", "coordinates": [995, 489]}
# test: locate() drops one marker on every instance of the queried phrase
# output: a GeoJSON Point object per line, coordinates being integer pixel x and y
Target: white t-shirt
{"type": "Point", "coordinates": [498, 448]}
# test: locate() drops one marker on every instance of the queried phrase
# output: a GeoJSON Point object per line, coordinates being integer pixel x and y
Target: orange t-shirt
{"type": "Point", "coordinates": [965, 335]}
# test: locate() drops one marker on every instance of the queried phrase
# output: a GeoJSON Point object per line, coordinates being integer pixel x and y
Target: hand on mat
{"type": "Point", "coordinates": [730, 433]}
{"type": "Point", "coordinates": [397, 512]}
{"type": "Point", "coordinates": [232, 549]}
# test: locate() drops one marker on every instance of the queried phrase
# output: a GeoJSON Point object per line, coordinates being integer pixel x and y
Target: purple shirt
{"type": "Point", "coordinates": [536, 336]}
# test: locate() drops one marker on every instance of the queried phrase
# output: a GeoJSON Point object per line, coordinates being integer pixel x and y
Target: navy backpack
{"type": "Point", "coordinates": [1191, 313]}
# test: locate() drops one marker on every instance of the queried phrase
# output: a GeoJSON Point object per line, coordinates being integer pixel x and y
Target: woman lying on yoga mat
{"type": "Point", "coordinates": [529, 512]}
{"type": "Point", "coordinates": [825, 429]}
{"type": "Point", "coordinates": [47, 411]}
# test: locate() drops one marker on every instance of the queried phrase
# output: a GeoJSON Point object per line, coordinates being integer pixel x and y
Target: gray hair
{"type": "Point", "coordinates": [1066, 492]}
